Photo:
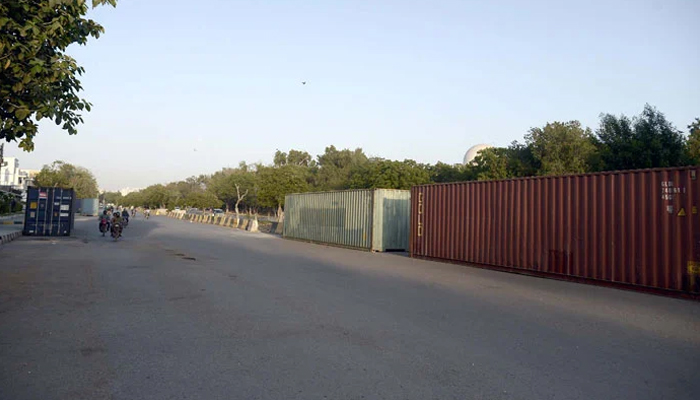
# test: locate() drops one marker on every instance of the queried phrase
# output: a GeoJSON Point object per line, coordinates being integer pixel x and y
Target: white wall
{"type": "Point", "coordinates": [9, 172]}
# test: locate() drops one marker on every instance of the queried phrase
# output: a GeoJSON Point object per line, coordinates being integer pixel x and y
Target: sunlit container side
{"type": "Point", "coordinates": [391, 220]}
{"type": "Point", "coordinates": [49, 212]}
{"type": "Point", "coordinates": [639, 229]}
{"type": "Point", "coordinates": [89, 207]}
{"type": "Point", "coordinates": [374, 220]}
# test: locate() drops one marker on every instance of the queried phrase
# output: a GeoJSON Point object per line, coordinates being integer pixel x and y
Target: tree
{"type": "Point", "coordinates": [37, 78]}
{"type": "Point", "coordinates": [645, 141]}
{"type": "Point", "coordinates": [491, 164]}
{"type": "Point", "coordinates": [134, 199]}
{"type": "Point", "coordinates": [335, 167]}
{"type": "Point", "coordinates": [9, 203]}
{"type": "Point", "coordinates": [112, 197]}
{"type": "Point", "coordinates": [275, 183]}
{"type": "Point", "coordinates": [387, 174]}
{"type": "Point", "coordinates": [521, 160]}
{"type": "Point", "coordinates": [443, 173]}
{"type": "Point", "coordinates": [295, 157]}
{"type": "Point", "coordinates": [561, 148]}
{"type": "Point", "coordinates": [232, 186]}
{"type": "Point", "coordinates": [156, 196]}
{"type": "Point", "coordinates": [203, 200]}
{"type": "Point", "coordinates": [61, 174]}
{"type": "Point", "coordinates": [694, 142]}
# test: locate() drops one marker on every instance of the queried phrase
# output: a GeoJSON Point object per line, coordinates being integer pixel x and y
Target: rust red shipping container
{"type": "Point", "coordinates": [635, 228]}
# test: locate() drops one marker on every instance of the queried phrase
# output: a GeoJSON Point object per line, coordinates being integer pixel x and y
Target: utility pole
{"type": "Point", "coordinates": [2, 150]}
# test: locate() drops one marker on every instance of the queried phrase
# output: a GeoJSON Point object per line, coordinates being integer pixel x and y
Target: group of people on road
{"type": "Point", "coordinates": [115, 220]}
{"type": "Point", "coordinates": [111, 219]}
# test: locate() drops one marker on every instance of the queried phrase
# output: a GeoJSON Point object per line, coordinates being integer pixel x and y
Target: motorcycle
{"type": "Point", "coordinates": [148, 214]}
{"type": "Point", "coordinates": [104, 226]}
{"type": "Point", "coordinates": [126, 222]}
{"type": "Point", "coordinates": [116, 231]}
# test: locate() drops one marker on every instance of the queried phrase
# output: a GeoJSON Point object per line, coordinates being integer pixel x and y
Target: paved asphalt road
{"type": "Point", "coordinates": [187, 311]}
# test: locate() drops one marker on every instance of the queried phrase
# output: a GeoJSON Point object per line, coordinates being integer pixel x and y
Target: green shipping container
{"type": "Point", "coordinates": [368, 219]}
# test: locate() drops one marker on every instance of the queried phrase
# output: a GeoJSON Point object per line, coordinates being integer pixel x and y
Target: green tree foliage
{"type": "Point", "coordinates": [179, 192]}
{"type": "Point", "coordinates": [37, 78]}
{"type": "Point", "coordinates": [61, 174]}
{"type": "Point", "coordinates": [693, 149]}
{"type": "Point", "coordinates": [7, 200]}
{"type": "Point", "coordinates": [112, 197]}
{"type": "Point", "coordinates": [387, 174]}
{"type": "Point", "coordinates": [335, 167]}
{"type": "Point", "coordinates": [276, 182]}
{"type": "Point", "coordinates": [522, 161]}
{"type": "Point", "coordinates": [491, 164]}
{"type": "Point", "coordinates": [294, 157]}
{"type": "Point", "coordinates": [155, 196]}
{"type": "Point", "coordinates": [134, 199]}
{"type": "Point", "coordinates": [561, 148]}
{"type": "Point", "coordinates": [556, 148]}
{"type": "Point", "coordinates": [444, 173]}
{"type": "Point", "coordinates": [203, 200]}
{"type": "Point", "coordinates": [514, 161]}
{"type": "Point", "coordinates": [645, 141]}
{"type": "Point", "coordinates": [233, 186]}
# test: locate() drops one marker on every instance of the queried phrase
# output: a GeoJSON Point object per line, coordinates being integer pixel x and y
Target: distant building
{"type": "Point", "coordinates": [26, 177]}
{"type": "Point", "coordinates": [473, 152]}
{"type": "Point", "coordinates": [126, 191]}
{"type": "Point", "coordinates": [12, 178]}
{"type": "Point", "coordinates": [9, 172]}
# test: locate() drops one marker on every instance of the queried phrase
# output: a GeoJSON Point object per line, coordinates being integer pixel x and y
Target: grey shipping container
{"type": "Point", "coordinates": [89, 207]}
{"type": "Point", "coordinates": [49, 212]}
{"type": "Point", "coordinates": [367, 219]}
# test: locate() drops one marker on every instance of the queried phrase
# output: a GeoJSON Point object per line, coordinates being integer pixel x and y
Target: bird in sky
{"type": "Point", "coordinates": [303, 82]}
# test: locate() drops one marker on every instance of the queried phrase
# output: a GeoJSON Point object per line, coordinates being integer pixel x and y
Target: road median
{"type": "Point", "coordinates": [246, 223]}
{"type": "Point", "coordinates": [7, 235]}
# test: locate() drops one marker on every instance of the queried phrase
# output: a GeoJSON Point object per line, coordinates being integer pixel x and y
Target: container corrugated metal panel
{"type": "Point", "coordinates": [49, 212]}
{"type": "Point", "coordinates": [633, 228]}
{"type": "Point", "coordinates": [342, 218]}
{"type": "Point", "coordinates": [89, 206]}
{"type": "Point", "coordinates": [365, 219]}
{"type": "Point", "coordinates": [391, 216]}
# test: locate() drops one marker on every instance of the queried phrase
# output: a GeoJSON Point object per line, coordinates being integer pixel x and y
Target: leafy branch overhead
{"type": "Point", "coordinates": [38, 79]}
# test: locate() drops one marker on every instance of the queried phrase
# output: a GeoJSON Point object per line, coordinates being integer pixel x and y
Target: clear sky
{"type": "Point", "coordinates": [399, 78]}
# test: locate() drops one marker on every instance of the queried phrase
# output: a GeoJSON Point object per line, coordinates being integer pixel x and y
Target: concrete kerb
{"type": "Point", "coordinates": [277, 227]}
{"type": "Point", "coordinates": [250, 225]}
{"type": "Point", "coordinates": [8, 237]}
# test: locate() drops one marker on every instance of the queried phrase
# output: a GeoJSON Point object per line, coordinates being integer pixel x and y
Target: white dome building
{"type": "Point", "coordinates": [473, 151]}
